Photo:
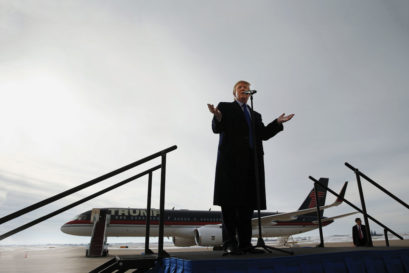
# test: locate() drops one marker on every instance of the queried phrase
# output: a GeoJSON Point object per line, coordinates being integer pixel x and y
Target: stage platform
{"type": "Point", "coordinates": [305, 260]}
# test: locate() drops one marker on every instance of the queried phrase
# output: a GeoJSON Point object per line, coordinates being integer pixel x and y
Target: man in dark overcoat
{"type": "Point", "coordinates": [235, 185]}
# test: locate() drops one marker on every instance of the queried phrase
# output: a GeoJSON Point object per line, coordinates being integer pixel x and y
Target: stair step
{"type": "Point", "coordinates": [97, 241]}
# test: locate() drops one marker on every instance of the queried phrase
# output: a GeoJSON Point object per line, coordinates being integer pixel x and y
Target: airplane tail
{"type": "Point", "coordinates": [310, 201]}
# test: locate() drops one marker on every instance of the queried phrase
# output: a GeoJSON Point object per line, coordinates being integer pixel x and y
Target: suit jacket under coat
{"type": "Point", "coordinates": [235, 182]}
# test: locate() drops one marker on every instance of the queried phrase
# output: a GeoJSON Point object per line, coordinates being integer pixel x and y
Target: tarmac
{"type": "Point", "coordinates": [71, 259]}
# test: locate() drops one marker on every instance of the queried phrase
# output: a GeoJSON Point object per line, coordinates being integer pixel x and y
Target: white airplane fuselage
{"type": "Point", "coordinates": [199, 227]}
{"type": "Point", "coordinates": [182, 225]}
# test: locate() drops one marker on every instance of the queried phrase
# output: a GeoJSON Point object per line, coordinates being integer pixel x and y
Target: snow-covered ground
{"type": "Point", "coordinates": [169, 245]}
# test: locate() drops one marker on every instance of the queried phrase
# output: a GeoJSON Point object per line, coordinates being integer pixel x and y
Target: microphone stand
{"type": "Point", "coordinates": [260, 241]}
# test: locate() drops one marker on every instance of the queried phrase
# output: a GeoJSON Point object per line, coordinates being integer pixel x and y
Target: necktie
{"type": "Point", "coordinates": [247, 116]}
{"type": "Point", "coordinates": [361, 235]}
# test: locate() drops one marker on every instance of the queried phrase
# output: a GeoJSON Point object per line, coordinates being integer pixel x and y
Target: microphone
{"type": "Point", "coordinates": [249, 92]}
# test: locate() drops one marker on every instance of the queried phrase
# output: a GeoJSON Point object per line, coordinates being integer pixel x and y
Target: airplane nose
{"type": "Point", "coordinates": [64, 228]}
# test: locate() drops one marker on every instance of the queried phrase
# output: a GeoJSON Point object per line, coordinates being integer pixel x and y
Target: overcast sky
{"type": "Point", "coordinates": [89, 86]}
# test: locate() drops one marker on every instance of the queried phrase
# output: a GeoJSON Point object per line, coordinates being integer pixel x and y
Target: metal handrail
{"type": "Point", "coordinates": [355, 207]}
{"type": "Point", "coordinates": [358, 175]}
{"type": "Point", "coordinates": [376, 184]}
{"type": "Point", "coordinates": [44, 202]}
{"type": "Point", "coordinates": [45, 217]}
{"type": "Point", "coordinates": [84, 185]}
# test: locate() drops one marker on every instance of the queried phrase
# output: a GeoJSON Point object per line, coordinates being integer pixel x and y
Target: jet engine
{"type": "Point", "coordinates": [209, 235]}
{"type": "Point", "coordinates": [183, 241]}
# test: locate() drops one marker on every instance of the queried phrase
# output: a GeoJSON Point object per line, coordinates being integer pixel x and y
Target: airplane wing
{"type": "Point", "coordinates": [289, 216]}
{"type": "Point", "coordinates": [335, 217]}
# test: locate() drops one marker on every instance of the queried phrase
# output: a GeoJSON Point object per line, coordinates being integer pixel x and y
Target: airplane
{"type": "Point", "coordinates": [202, 227]}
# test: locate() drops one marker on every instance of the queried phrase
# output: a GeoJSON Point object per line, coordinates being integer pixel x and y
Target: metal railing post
{"type": "Point", "coordinates": [319, 216]}
{"type": "Point", "coordinates": [385, 231]}
{"type": "Point", "coordinates": [162, 253]}
{"type": "Point", "coordinates": [148, 216]}
{"type": "Point", "coordinates": [361, 195]}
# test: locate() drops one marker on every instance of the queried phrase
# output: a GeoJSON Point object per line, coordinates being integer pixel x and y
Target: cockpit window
{"type": "Point", "coordinates": [80, 217]}
{"type": "Point", "coordinates": [76, 217]}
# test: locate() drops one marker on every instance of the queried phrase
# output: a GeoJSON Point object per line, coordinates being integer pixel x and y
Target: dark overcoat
{"type": "Point", "coordinates": [235, 181]}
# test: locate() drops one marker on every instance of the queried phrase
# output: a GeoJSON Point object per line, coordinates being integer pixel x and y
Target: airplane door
{"type": "Point", "coordinates": [94, 215]}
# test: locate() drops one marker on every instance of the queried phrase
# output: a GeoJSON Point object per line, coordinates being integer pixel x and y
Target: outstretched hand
{"type": "Point", "coordinates": [283, 118]}
{"type": "Point", "coordinates": [216, 112]}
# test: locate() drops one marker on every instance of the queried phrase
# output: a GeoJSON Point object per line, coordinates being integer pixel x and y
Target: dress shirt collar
{"type": "Point", "coordinates": [240, 103]}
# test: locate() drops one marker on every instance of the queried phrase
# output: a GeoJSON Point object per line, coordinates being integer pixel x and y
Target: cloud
{"type": "Point", "coordinates": [3, 196]}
